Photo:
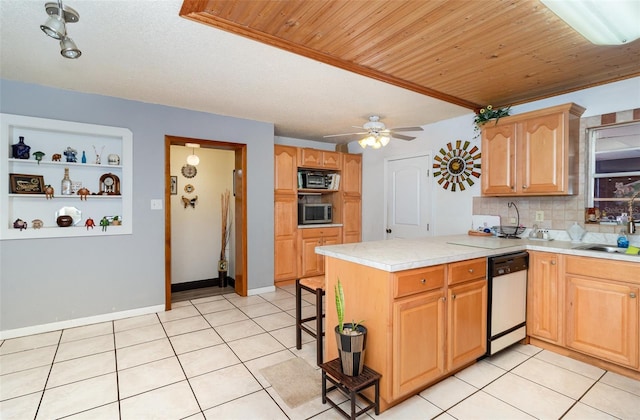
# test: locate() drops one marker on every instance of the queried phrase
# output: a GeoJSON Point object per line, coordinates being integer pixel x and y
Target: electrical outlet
{"type": "Point", "coordinates": [512, 220]}
{"type": "Point", "coordinates": [156, 204]}
{"type": "Point", "coordinates": [539, 216]}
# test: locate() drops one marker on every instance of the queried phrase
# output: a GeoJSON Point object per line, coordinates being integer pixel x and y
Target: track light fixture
{"type": "Point", "coordinates": [56, 27]}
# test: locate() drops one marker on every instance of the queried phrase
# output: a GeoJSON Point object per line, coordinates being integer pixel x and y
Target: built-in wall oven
{"type": "Point", "coordinates": [506, 321]}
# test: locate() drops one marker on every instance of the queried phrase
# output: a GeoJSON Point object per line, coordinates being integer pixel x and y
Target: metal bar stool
{"type": "Point", "coordinates": [314, 285]}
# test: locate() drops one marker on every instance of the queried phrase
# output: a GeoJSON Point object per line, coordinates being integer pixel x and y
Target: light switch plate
{"type": "Point", "coordinates": [539, 216]}
{"type": "Point", "coordinates": [156, 204]}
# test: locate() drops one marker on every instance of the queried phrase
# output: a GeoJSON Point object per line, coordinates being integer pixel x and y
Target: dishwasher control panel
{"type": "Point", "coordinates": [507, 264]}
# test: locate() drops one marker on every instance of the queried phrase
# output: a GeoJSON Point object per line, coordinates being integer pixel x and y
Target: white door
{"type": "Point", "coordinates": [408, 197]}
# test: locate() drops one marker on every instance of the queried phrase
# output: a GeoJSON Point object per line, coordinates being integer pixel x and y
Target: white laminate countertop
{"type": "Point", "coordinates": [403, 254]}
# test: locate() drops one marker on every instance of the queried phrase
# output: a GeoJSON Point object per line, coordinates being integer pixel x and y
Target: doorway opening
{"type": "Point", "coordinates": [238, 218]}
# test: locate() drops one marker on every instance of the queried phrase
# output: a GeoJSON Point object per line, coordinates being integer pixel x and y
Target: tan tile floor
{"type": "Point", "coordinates": [203, 360]}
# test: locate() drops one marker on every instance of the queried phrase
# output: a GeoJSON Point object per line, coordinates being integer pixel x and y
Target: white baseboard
{"type": "Point", "coordinates": [261, 290]}
{"type": "Point", "coordinates": [78, 322]}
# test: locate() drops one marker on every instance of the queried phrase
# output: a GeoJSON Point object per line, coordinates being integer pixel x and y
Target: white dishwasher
{"type": "Point", "coordinates": [507, 306]}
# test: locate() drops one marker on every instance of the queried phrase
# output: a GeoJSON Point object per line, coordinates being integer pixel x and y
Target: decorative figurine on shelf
{"type": "Point", "coordinates": [104, 222]}
{"type": "Point", "coordinates": [83, 193]}
{"type": "Point", "coordinates": [38, 155]}
{"type": "Point", "coordinates": [37, 223]}
{"type": "Point", "coordinates": [89, 223]}
{"type": "Point", "coordinates": [56, 157]}
{"type": "Point", "coordinates": [19, 224]}
{"type": "Point", "coordinates": [116, 221]}
{"type": "Point", "coordinates": [71, 154]}
{"type": "Point", "coordinates": [20, 150]}
{"type": "Point", "coordinates": [84, 157]}
{"type": "Point", "coordinates": [189, 202]}
{"type": "Point", "coordinates": [98, 155]}
{"type": "Point", "coordinates": [113, 159]}
{"type": "Point", "coordinates": [48, 191]}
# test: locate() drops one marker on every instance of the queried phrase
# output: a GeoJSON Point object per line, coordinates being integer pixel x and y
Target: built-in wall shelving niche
{"type": "Point", "coordinates": [54, 137]}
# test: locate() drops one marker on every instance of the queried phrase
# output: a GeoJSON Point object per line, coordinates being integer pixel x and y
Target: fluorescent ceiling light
{"type": "Point", "coordinates": [602, 22]}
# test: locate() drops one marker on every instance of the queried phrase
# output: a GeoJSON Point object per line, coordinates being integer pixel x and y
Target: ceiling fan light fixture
{"type": "Point", "coordinates": [384, 140]}
{"type": "Point", "coordinates": [600, 22]}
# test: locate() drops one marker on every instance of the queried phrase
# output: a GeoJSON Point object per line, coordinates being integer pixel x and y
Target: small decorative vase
{"type": "Point", "coordinates": [222, 272]}
{"type": "Point", "coordinates": [20, 150]}
{"type": "Point", "coordinates": [351, 349]}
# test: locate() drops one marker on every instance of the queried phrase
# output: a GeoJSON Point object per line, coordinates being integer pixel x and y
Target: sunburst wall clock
{"type": "Point", "coordinates": [457, 165]}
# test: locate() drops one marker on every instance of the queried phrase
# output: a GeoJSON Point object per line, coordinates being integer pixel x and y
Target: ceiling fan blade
{"type": "Point", "coordinates": [346, 134]}
{"type": "Point", "coordinates": [407, 129]}
{"type": "Point", "coordinates": [401, 136]}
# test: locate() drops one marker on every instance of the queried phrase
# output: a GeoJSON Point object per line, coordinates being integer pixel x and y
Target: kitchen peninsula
{"type": "Point", "coordinates": [424, 301]}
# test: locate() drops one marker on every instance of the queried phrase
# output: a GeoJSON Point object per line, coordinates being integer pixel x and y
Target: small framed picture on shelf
{"type": "Point", "coordinates": [174, 185]}
{"type": "Point", "coordinates": [26, 184]}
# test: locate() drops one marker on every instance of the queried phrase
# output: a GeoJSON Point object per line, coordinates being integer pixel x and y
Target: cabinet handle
{"type": "Point", "coordinates": [444, 299]}
{"type": "Point", "coordinates": [453, 296]}
{"type": "Point", "coordinates": [423, 281]}
{"type": "Point", "coordinates": [524, 187]}
{"type": "Point", "coordinates": [471, 270]}
{"type": "Point", "coordinates": [553, 262]}
{"type": "Point", "coordinates": [632, 295]}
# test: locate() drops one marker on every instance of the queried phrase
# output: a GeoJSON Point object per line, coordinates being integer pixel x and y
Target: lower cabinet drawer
{"type": "Point", "coordinates": [462, 271]}
{"type": "Point", "coordinates": [418, 280]}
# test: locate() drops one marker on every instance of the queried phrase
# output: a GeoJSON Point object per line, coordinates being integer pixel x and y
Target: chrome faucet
{"type": "Point", "coordinates": [632, 224]}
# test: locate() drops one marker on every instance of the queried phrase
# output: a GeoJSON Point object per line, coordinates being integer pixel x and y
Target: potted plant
{"type": "Point", "coordinates": [351, 339]}
{"type": "Point", "coordinates": [487, 114]}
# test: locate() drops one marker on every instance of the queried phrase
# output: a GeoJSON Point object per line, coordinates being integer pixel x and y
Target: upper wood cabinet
{"type": "Point", "coordinates": [534, 153]}
{"type": "Point", "coordinates": [321, 159]}
{"type": "Point", "coordinates": [351, 174]}
{"type": "Point", "coordinates": [286, 168]}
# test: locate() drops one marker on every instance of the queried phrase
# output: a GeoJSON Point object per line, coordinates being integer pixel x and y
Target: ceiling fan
{"type": "Point", "coordinates": [377, 134]}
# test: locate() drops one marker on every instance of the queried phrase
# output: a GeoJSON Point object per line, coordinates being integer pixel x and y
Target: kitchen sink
{"type": "Point", "coordinates": [601, 248]}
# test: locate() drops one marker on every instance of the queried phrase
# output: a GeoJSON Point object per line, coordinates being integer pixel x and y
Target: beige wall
{"type": "Point", "coordinates": [195, 232]}
{"type": "Point", "coordinates": [559, 212]}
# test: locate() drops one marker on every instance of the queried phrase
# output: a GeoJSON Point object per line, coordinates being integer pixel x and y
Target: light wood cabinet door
{"type": "Point", "coordinates": [285, 229]}
{"type": "Point", "coordinates": [602, 319]}
{"type": "Point", "coordinates": [418, 341]}
{"type": "Point", "coordinates": [545, 297]}
{"type": "Point", "coordinates": [351, 174]}
{"type": "Point", "coordinates": [467, 323]}
{"type": "Point", "coordinates": [286, 171]}
{"type": "Point", "coordinates": [312, 264]}
{"type": "Point", "coordinates": [314, 158]}
{"type": "Point", "coordinates": [499, 154]}
{"type": "Point", "coordinates": [351, 219]}
{"type": "Point", "coordinates": [543, 149]}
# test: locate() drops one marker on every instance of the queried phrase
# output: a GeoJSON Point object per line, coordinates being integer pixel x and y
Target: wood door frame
{"type": "Point", "coordinates": [240, 184]}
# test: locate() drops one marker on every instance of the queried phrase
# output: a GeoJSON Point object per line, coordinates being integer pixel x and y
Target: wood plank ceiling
{"type": "Point", "coordinates": [470, 53]}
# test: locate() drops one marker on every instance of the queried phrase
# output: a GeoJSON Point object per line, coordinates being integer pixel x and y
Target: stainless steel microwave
{"type": "Point", "coordinates": [314, 213]}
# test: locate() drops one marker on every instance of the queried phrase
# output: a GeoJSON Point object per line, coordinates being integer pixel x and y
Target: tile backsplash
{"type": "Point", "coordinates": [559, 212]}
